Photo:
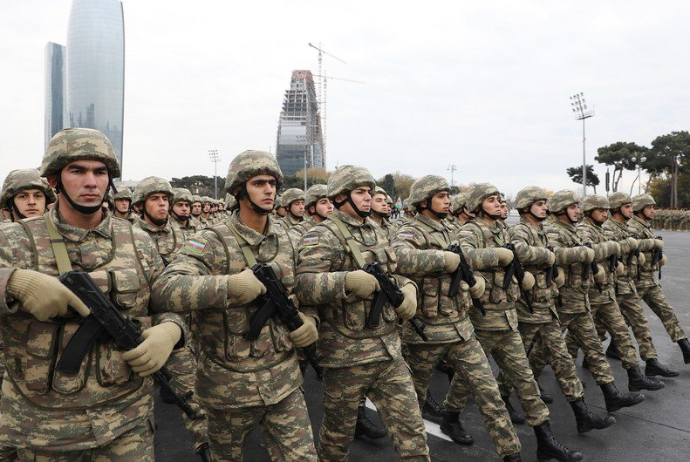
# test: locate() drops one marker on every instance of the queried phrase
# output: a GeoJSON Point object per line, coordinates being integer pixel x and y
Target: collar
{"type": "Point", "coordinates": [74, 234]}
{"type": "Point", "coordinates": [435, 225]}
{"type": "Point", "coordinates": [150, 228]}
{"type": "Point", "coordinates": [345, 218]}
{"type": "Point", "coordinates": [252, 237]}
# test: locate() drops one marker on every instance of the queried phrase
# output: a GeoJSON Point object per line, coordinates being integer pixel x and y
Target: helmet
{"type": "Point", "coordinates": [196, 198]}
{"type": "Point", "coordinates": [249, 164]}
{"type": "Point", "coordinates": [124, 193]}
{"type": "Point", "coordinates": [561, 200]}
{"type": "Point", "coordinates": [315, 193]}
{"type": "Point", "coordinates": [20, 180]}
{"type": "Point", "coordinates": [72, 144]}
{"type": "Point", "coordinates": [528, 196]}
{"type": "Point", "coordinates": [182, 195]}
{"type": "Point", "coordinates": [389, 200]}
{"type": "Point", "coordinates": [206, 199]}
{"type": "Point", "coordinates": [230, 201]}
{"type": "Point", "coordinates": [151, 185]}
{"type": "Point", "coordinates": [426, 187]}
{"type": "Point", "coordinates": [641, 201]}
{"type": "Point", "coordinates": [347, 178]}
{"type": "Point", "coordinates": [594, 202]}
{"type": "Point", "coordinates": [502, 199]}
{"type": "Point", "coordinates": [292, 195]}
{"type": "Point", "coordinates": [619, 199]}
{"type": "Point", "coordinates": [477, 194]}
{"type": "Point", "coordinates": [457, 202]}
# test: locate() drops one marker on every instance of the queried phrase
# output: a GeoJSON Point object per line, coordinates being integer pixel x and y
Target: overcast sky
{"type": "Point", "coordinates": [482, 85]}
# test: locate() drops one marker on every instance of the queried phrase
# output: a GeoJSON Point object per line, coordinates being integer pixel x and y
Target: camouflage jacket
{"type": "Point", "coordinates": [479, 240]}
{"type": "Point", "coordinates": [105, 398]}
{"type": "Point", "coordinates": [288, 222]}
{"type": "Point", "coordinates": [419, 246]}
{"type": "Point", "coordinates": [603, 250]}
{"type": "Point", "coordinates": [643, 232]}
{"type": "Point", "coordinates": [300, 229]}
{"type": "Point", "coordinates": [620, 232]}
{"type": "Point", "coordinates": [324, 260]}
{"type": "Point", "coordinates": [168, 238]}
{"type": "Point", "coordinates": [187, 231]}
{"type": "Point", "coordinates": [531, 246]}
{"type": "Point", "coordinates": [389, 229]}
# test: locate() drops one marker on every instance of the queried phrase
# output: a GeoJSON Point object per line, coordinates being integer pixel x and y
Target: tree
{"type": "Point", "coordinates": [667, 157]}
{"type": "Point", "coordinates": [403, 183]}
{"type": "Point", "coordinates": [575, 174]}
{"type": "Point", "coordinates": [622, 156]}
{"type": "Point", "coordinates": [388, 184]}
{"type": "Point", "coordinates": [199, 184]}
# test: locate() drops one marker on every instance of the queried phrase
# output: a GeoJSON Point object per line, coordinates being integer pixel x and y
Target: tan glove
{"type": "Point", "coordinates": [552, 259]}
{"type": "Point", "coordinates": [620, 269]}
{"type": "Point", "coordinates": [634, 243]}
{"type": "Point", "coordinates": [154, 351]}
{"type": "Point", "coordinates": [307, 334]}
{"type": "Point", "coordinates": [361, 283]}
{"type": "Point", "coordinates": [477, 290]}
{"type": "Point", "coordinates": [600, 277]}
{"type": "Point", "coordinates": [452, 260]}
{"type": "Point", "coordinates": [245, 287]}
{"type": "Point", "coordinates": [528, 281]}
{"type": "Point", "coordinates": [590, 255]}
{"type": "Point", "coordinates": [560, 277]}
{"type": "Point", "coordinates": [663, 261]}
{"type": "Point", "coordinates": [641, 259]}
{"type": "Point", "coordinates": [658, 244]}
{"type": "Point", "coordinates": [408, 307]}
{"type": "Point", "coordinates": [504, 256]}
{"type": "Point", "coordinates": [43, 296]}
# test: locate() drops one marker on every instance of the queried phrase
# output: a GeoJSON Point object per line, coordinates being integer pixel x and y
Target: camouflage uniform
{"type": "Point", "coordinates": [190, 227]}
{"type": "Point", "coordinates": [419, 246]}
{"type": "Point", "coordinates": [105, 409]}
{"type": "Point", "coordinates": [358, 361]}
{"type": "Point", "coordinates": [312, 196]}
{"type": "Point", "coordinates": [288, 197]}
{"type": "Point", "coordinates": [125, 193]}
{"type": "Point", "coordinates": [241, 382]}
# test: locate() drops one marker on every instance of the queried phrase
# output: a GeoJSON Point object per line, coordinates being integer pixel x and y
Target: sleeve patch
{"type": "Point", "coordinates": [194, 247]}
{"type": "Point", "coordinates": [311, 240]}
{"type": "Point", "coordinates": [407, 236]}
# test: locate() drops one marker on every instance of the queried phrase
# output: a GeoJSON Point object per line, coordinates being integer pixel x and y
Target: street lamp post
{"type": "Point", "coordinates": [452, 169]}
{"type": "Point", "coordinates": [640, 159]}
{"type": "Point", "coordinates": [213, 156]}
{"type": "Point", "coordinates": [579, 107]}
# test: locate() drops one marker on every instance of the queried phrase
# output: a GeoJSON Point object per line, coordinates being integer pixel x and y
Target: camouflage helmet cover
{"type": "Point", "coordinates": [292, 195]}
{"type": "Point", "coordinates": [72, 144]}
{"type": "Point", "coordinates": [561, 200]}
{"type": "Point", "coordinates": [347, 178]}
{"type": "Point", "coordinates": [20, 180]}
{"type": "Point", "coordinates": [528, 196]}
{"type": "Point", "coordinates": [182, 195]}
{"type": "Point", "coordinates": [641, 201]}
{"type": "Point", "coordinates": [595, 201]}
{"type": "Point", "coordinates": [196, 198]}
{"type": "Point", "coordinates": [427, 187]}
{"type": "Point", "coordinates": [457, 202]}
{"type": "Point", "coordinates": [477, 193]}
{"type": "Point", "coordinates": [123, 193]}
{"type": "Point", "coordinates": [150, 185]}
{"type": "Point", "coordinates": [206, 200]}
{"type": "Point", "coordinates": [249, 164]}
{"type": "Point", "coordinates": [315, 193]}
{"type": "Point", "coordinates": [230, 201]}
{"type": "Point", "coordinates": [619, 199]}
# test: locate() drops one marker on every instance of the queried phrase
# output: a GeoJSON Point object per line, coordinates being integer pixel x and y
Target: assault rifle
{"type": "Point", "coordinates": [276, 301]}
{"type": "Point", "coordinates": [516, 269]}
{"type": "Point", "coordinates": [657, 255]}
{"type": "Point", "coordinates": [551, 271]}
{"type": "Point", "coordinates": [594, 266]}
{"type": "Point", "coordinates": [106, 323]}
{"type": "Point", "coordinates": [463, 273]}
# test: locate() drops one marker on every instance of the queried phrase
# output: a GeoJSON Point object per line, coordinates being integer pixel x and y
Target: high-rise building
{"type": "Point", "coordinates": [300, 140]}
{"type": "Point", "coordinates": [93, 78]}
{"type": "Point", "coordinates": [54, 90]}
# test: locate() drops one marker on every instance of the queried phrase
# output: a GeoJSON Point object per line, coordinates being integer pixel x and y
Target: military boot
{"type": "Point", "coordinates": [549, 447]}
{"type": "Point", "coordinates": [586, 420]}
{"type": "Point", "coordinates": [366, 427]}
{"type": "Point", "coordinates": [654, 367]}
{"type": "Point", "coordinates": [616, 400]}
{"type": "Point", "coordinates": [638, 382]}
{"type": "Point", "coordinates": [204, 452]}
{"type": "Point", "coordinates": [512, 458]}
{"type": "Point", "coordinates": [515, 416]}
{"type": "Point", "coordinates": [612, 351]}
{"type": "Point", "coordinates": [432, 411]}
{"type": "Point", "coordinates": [452, 427]}
{"type": "Point", "coordinates": [546, 397]}
{"type": "Point", "coordinates": [685, 348]}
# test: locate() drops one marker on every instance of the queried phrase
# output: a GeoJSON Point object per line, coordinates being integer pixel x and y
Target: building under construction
{"type": "Point", "coordinates": [300, 139]}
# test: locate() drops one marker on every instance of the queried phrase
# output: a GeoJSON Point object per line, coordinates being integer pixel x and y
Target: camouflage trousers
{"type": "Point", "coordinates": [549, 335]}
{"type": "Point", "coordinates": [7, 453]}
{"type": "Point", "coordinates": [135, 445]}
{"type": "Point", "coordinates": [472, 368]}
{"type": "Point", "coordinates": [389, 386]}
{"type": "Point", "coordinates": [609, 316]}
{"type": "Point", "coordinates": [633, 313]}
{"type": "Point", "coordinates": [654, 297]}
{"type": "Point", "coordinates": [509, 353]}
{"type": "Point", "coordinates": [581, 330]}
{"type": "Point", "coordinates": [285, 425]}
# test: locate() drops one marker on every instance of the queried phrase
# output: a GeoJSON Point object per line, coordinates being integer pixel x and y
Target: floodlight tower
{"type": "Point", "coordinates": [579, 107]}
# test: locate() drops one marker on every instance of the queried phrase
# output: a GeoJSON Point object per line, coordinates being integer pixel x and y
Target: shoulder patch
{"type": "Point", "coordinates": [311, 240]}
{"type": "Point", "coordinates": [195, 246]}
{"type": "Point", "coordinates": [407, 236]}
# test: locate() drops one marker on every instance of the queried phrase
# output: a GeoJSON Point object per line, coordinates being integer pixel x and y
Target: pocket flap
{"type": "Point", "coordinates": [125, 281]}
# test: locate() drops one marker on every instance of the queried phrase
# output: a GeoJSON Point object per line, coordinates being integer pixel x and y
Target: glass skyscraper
{"type": "Point", "coordinates": [300, 140]}
{"type": "Point", "coordinates": [54, 90]}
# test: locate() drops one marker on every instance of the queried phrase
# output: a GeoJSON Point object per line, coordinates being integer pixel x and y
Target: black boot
{"type": "Point", "coordinates": [515, 416]}
{"type": "Point", "coordinates": [513, 458]}
{"type": "Point", "coordinates": [637, 381]}
{"type": "Point", "coordinates": [612, 351]}
{"type": "Point", "coordinates": [366, 427]}
{"type": "Point", "coordinates": [654, 367]}
{"type": "Point", "coordinates": [616, 400]}
{"type": "Point", "coordinates": [586, 419]}
{"type": "Point", "coordinates": [685, 348]}
{"type": "Point", "coordinates": [549, 447]}
{"type": "Point", "coordinates": [205, 453]}
{"type": "Point", "coordinates": [547, 398]}
{"type": "Point", "coordinates": [452, 427]}
{"type": "Point", "coordinates": [432, 411]}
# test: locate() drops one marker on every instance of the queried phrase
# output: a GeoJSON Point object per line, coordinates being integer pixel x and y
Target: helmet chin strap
{"type": "Point", "coordinates": [82, 208]}
{"type": "Point", "coordinates": [490, 215]}
{"type": "Point", "coordinates": [243, 193]}
{"type": "Point", "coordinates": [439, 215]}
{"type": "Point", "coordinates": [354, 207]}
{"type": "Point", "coordinates": [540, 219]}
{"type": "Point", "coordinates": [380, 215]}
{"type": "Point", "coordinates": [16, 211]}
{"type": "Point", "coordinates": [596, 222]}
{"type": "Point", "coordinates": [565, 212]}
{"type": "Point", "coordinates": [155, 221]}
{"type": "Point", "coordinates": [179, 217]}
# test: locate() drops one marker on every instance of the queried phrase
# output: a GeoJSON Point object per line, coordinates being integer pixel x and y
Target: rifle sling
{"type": "Point", "coordinates": [244, 245]}
{"type": "Point", "coordinates": [351, 242]}
{"type": "Point", "coordinates": [59, 248]}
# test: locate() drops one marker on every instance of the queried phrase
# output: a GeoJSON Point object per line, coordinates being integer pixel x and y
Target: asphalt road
{"type": "Point", "coordinates": [658, 429]}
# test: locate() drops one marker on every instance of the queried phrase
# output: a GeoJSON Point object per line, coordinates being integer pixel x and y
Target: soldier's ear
{"type": "Point", "coordinates": [52, 181]}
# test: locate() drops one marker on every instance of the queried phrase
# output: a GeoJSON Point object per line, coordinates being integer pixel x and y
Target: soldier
{"type": "Point", "coordinates": [616, 228]}
{"type": "Point", "coordinates": [317, 208]}
{"type": "Point", "coordinates": [25, 194]}
{"type": "Point", "coordinates": [230, 205]}
{"type": "Point", "coordinates": [280, 208]}
{"type": "Point", "coordinates": [293, 202]}
{"type": "Point", "coordinates": [649, 288]}
{"type": "Point", "coordinates": [122, 202]}
{"type": "Point", "coordinates": [197, 207]}
{"type": "Point", "coordinates": [206, 219]}
{"type": "Point", "coordinates": [381, 211]}
{"type": "Point", "coordinates": [421, 247]}
{"type": "Point", "coordinates": [602, 299]}
{"type": "Point", "coordinates": [361, 356]}
{"type": "Point", "coordinates": [243, 382]}
{"type": "Point", "coordinates": [536, 309]}
{"type": "Point", "coordinates": [505, 211]}
{"type": "Point", "coordinates": [105, 411]}
{"type": "Point", "coordinates": [482, 240]}
{"type": "Point", "coordinates": [180, 211]}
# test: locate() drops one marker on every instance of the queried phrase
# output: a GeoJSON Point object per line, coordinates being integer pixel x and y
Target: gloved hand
{"type": "Point", "coordinates": [154, 351]}
{"type": "Point", "coordinates": [560, 277]}
{"type": "Point", "coordinates": [408, 307]}
{"type": "Point", "coordinates": [528, 281]}
{"type": "Point", "coordinates": [600, 277]}
{"type": "Point", "coordinates": [307, 334]}
{"type": "Point", "coordinates": [641, 259]}
{"type": "Point", "coordinates": [504, 256]}
{"type": "Point", "coordinates": [590, 255]}
{"type": "Point", "coordinates": [634, 243]}
{"type": "Point", "coordinates": [245, 287]}
{"type": "Point", "coordinates": [43, 296]}
{"type": "Point", "coordinates": [477, 290]}
{"type": "Point", "coordinates": [663, 261]}
{"type": "Point", "coordinates": [620, 269]}
{"type": "Point", "coordinates": [452, 260]}
{"type": "Point", "coordinates": [658, 244]}
{"type": "Point", "coordinates": [552, 259]}
{"type": "Point", "coordinates": [361, 283]}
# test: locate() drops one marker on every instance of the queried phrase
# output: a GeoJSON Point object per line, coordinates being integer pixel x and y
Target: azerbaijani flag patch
{"type": "Point", "coordinates": [194, 247]}
{"type": "Point", "coordinates": [406, 236]}
{"type": "Point", "coordinates": [311, 240]}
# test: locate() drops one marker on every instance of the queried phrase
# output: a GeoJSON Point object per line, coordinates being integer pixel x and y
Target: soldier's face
{"type": "Point", "coordinates": [324, 207]}
{"type": "Point", "coordinates": [378, 204]}
{"type": "Point", "coordinates": [539, 209]}
{"type": "Point", "coordinates": [181, 209]}
{"type": "Point", "coordinates": [157, 205]}
{"type": "Point", "coordinates": [649, 211]}
{"type": "Point", "coordinates": [297, 208]}
{"type": "Point", "coordinates": [30, 203]}
{"type": "Point", "coordinates": [441, 202]}
{"type": "Point", "coordinates": [492, 205]}
{"type": "Point", "coordinates": [280, 211]}
{"type": "Point", "coordinates": [627, 210]}
{"type": "Point", "coordinates": [362, 198]}
{"type": "Point", "coordinates": [573, 212]}
{"type": "Point", "coordinates": [600, 215]}
{"type": "Point", "coordinates": [196, 209]}
{"type": "Point", "coordinates": [122, 205]}
{"type": "Point", "coordinates": [85, 181]}
{"type": "Point", "coordinates": [207, 207]}
{"type": "Point", "coordinates": [504, 210]}
{"type": "Point", "coordinates": [261, 190]}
